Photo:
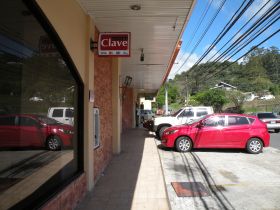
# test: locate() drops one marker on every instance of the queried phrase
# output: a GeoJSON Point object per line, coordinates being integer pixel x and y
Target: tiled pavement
{"type": "Point", "coordinates": [139, 176]}
{"type": "Point", "coordinates": [133, 180]}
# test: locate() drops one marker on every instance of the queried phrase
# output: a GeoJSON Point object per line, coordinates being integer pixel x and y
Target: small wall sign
{"type": "Point", "coordinates": [114, 44]}
{"type": "Point", "coordinates": [91, 96]}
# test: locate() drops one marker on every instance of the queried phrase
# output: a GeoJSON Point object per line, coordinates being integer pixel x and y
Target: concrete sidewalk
{"type": "Point", "coordinates": [133, 180]}
{"type": "Point", "coordinates": [141, 176]}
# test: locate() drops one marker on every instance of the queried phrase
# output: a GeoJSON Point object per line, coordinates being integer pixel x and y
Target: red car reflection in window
{"type": "Point", "coordinates": [219, 131]}
{"type": "Point", "coordinates": [27, 130]}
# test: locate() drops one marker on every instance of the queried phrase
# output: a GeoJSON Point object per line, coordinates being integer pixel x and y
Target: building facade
{"type": "Point", "coordinates": [47, 61]}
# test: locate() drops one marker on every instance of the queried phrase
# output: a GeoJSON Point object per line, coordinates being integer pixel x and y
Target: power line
{"type": "Point", "coordinates": [249, 40]}
{"type": "Point", "coordinates": [225, 30]}
{"type": "Point", "coordinates": [240, 29]}
{"type": "Point", "coordinates": [198, 26]}
{"type": "Point", "coordinates": [273, 34]}
{"type": "Point", "coordinates": [204, 33]}
{"type": "Point", "coordinates": [254, 36]}
{"type": "Point", "coordinates": [258, 23]}
{"type": "Point", "coordinates": [243, 37]}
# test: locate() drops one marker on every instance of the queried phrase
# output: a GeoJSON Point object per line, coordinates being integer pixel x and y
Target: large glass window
{"type": "Point", "coordinates": [38, 152]}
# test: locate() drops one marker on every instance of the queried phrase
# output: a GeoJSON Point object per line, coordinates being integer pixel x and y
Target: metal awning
{"type": "Point", "coordinates": [156, 28]}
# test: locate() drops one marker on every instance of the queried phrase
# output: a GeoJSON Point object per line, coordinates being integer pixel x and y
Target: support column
{"type": "Point", "coordinates": [134, 108]}
{"type": "Point", "coordinates": [116, 96]}
{"type": "Point", "coordinates": [166, 100]}
{"type": "Point", "coordinates": [88, 109]}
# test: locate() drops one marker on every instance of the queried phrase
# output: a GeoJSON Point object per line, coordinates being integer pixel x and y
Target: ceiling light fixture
{"type": "Point", "coordinates": [135, 7]}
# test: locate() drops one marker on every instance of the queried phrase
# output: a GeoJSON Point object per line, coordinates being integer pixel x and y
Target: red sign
{"type": "Point", "coordinates": [47, 47]}
{"type": "Point", "coordinates": [114, 44]}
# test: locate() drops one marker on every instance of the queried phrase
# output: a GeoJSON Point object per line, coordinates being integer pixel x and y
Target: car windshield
{"type": "Point", "coordinates": [266, 115]}
{"type": "Point", "coordinates": [48, 121]}
{"type": "Point", "coordinates": [176, 113]}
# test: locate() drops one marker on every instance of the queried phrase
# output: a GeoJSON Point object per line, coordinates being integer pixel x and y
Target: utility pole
{"type": "Point", "coordinates": [166, 99]}
{"type": "Point", "coordinates": [187, 98]}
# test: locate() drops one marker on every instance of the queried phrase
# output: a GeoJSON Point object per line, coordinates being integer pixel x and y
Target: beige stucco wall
{"type": "Point", "coordinates": [75, 28]}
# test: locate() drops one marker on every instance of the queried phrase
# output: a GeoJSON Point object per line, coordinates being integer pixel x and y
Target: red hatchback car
{"type": "Point", "coordinates": [27, 130]}
{"type": "Point", "coordinates": [219, 131]}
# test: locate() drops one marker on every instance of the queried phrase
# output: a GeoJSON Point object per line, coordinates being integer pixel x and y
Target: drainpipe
{"type": "Point", "coordinates": [166, 100]}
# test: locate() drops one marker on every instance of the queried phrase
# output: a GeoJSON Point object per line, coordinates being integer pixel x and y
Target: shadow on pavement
{"type": "Point", "coordinates": [161, 147]}
{"type": "Point", "coordinates": [117, 188]}
{"type": "Point", "coordinates": [220, 150]}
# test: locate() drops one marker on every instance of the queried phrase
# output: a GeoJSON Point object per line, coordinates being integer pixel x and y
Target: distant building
{"type": "Point", "coordinates": [224, 86]}
{"type": "Point", "coordinates": [147, 104]}
{"type": "Point", "coordinates": [250, 96]}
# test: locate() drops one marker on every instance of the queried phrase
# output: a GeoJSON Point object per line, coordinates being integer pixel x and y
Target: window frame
{"type": "Point", "coordinates": [51, 188]}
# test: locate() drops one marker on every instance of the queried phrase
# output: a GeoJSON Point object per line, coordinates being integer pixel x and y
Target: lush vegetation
{"type": "Point", "coordinates": [259, 72]}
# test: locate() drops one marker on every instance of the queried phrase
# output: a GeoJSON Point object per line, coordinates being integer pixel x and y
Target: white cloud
{"type": "Point", "coordinates": [255, 8]}
{"type": "Point", "coordinates": [216, 4]}
{"type": "Point", "coordinates": [178, 68]}
{"type": "Point", "coordinates": [181, 58]}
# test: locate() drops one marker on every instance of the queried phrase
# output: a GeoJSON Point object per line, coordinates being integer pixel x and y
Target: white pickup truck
{"type": "Point", "coordinates": [182, 116]}
{"type": "Point", "coordinates": [64, 115]}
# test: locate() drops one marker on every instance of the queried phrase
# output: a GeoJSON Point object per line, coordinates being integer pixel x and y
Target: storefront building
{"type": "Point", "coordinates": [63, 107]}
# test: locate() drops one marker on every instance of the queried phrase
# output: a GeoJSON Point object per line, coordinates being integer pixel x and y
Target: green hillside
{"type": "Point", "coordinates": [259, 72]}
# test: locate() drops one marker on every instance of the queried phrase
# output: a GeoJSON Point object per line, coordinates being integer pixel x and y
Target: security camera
{"type": "Point", "coordinates": [142, 57]}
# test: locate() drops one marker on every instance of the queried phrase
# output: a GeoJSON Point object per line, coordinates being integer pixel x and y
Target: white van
{"type": "Point", "coordinates": [64, 115]}
{"type": "Point", "coordinates": [182, 116]}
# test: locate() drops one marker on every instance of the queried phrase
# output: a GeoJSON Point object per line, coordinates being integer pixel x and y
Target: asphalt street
{"type": "Point", "coordinates": [233, 179]}
{"type": "Point", "coordinates": [275, 140]}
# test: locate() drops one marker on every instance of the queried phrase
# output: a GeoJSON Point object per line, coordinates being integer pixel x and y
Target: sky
{"type": "Point", "coordinates": [189, 54]}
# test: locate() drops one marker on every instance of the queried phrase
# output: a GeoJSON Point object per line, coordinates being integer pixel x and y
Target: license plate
{"type": "Point", "coordinates": [272, 122]}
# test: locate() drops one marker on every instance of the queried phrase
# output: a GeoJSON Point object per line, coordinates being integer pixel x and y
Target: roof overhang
{"type": "Point", "coordinates": [156, 28]}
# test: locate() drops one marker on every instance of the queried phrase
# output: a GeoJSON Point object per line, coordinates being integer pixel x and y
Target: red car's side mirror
{"type": "Point", "coordinates": [200, 125]}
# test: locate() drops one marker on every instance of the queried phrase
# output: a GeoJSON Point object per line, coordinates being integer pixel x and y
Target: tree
{"type": "Point", "coordinates": [212, 97]}
{"type": "Point", "coordinates": [237, 98]}
{"type": "Point", "coordinates": [173, 94]}
{"type": "Point", "coordinates": [261, 84]}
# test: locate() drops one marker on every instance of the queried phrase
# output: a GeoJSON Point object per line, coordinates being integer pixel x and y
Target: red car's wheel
{"type": "Point", "coordinates": [53, 143]}
{"type": "Point", "coordinates": [254, 146]}
{"type": "Point", "coordinates": [183, 144]}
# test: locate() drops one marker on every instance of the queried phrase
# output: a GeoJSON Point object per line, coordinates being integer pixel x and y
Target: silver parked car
{"type": "Point", "coordinates": [271, 120]}
{"type": "Point", "coordinates": [145, 114]}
